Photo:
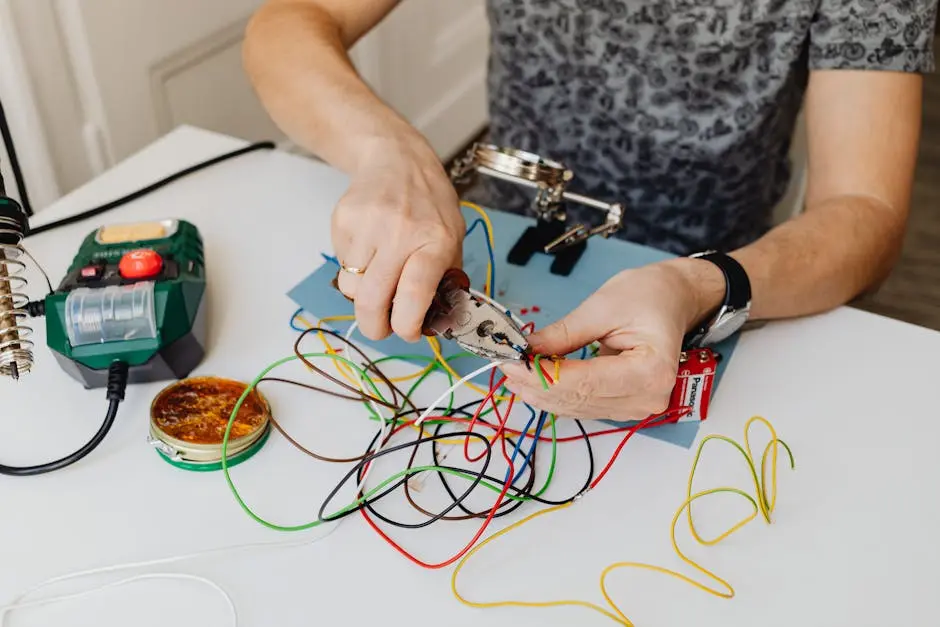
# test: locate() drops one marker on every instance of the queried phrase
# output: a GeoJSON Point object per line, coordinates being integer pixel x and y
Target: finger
{"type": "Point", "coordinates": [620, 409]}
{"type": "Point", "coordinates": [622, 385]}
{"type": "Point", "coordinates": [597, 408]}
{"type": "Point", "coordinates": [353, 249]}
{"type": "Point", "coordinates": [348, 282]}
{"type": "Point", "coordinates": [375, 292]}
{"type": "Point", "coordinates": [634, 373]}
{"type": "Point", "coordinates": [419, 281]}
{"type": "Point", "coordinates": [351, 252]}
{"type": "Point", "coordinates": [590, 321]}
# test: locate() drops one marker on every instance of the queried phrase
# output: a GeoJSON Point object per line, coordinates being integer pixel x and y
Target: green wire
{"type": "Point", "coordinates": [551, 468]}
{"type": "Point", "coordinates": [371, 383]}
{"type": "Point", "coordinates": [357, 502]}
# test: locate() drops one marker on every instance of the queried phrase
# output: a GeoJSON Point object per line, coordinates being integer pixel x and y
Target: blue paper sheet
{"type": "Point", "coordinates": [518, 288]}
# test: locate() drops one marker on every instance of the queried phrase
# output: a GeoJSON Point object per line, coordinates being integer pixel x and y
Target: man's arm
{"type": "Point", "coordinates": [295, 54]}
{"type": "Point", "coordinates": [863, 136]}
{"type": "Point", "coordinates": [863, 130]}
{"type": "Point", "coordinates": [399, 223]}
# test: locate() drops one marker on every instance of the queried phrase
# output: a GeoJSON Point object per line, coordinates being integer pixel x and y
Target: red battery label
{"type": "Point", "coordinates": [693, 387]}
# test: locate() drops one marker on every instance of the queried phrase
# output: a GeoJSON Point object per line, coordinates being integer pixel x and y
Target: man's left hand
{"type": "Point", "coordinates": [639, 317]}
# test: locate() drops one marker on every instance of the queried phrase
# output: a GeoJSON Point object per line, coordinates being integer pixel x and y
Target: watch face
{"type": "Point", "coordinates": [726, 326]}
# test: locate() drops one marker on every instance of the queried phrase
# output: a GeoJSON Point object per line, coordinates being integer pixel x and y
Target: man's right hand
{"type": "Point", "coordinates": [400, 219]}
{"type": "Point", "coordinates": [400, 222]}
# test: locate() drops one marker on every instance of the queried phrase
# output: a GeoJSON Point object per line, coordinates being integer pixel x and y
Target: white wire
{"type": "Point", "coordinates": [4, 610]}
{"type": "Point", "coordinates": [386, 422]}
{"type": "Point", "coordinates": [18, 603]}
{"type": "Point", "coordinates": [433, 406]}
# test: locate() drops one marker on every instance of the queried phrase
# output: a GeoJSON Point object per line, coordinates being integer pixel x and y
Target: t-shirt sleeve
{"type": "Point", "coordinates": [893, 35]}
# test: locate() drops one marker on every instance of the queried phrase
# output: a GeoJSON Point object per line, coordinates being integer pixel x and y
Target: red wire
{"type": "Point", "coordinates": [632, 430]}
{"type": "Point", "coordinates": [476, 416]}
{"type": "Point", "coordinates": [486, 523]}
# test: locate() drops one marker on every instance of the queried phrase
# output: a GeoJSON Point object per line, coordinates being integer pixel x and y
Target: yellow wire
{"type": "Point", "coordinates": [760, 504]}
{"type": "Point", "coordinates": [345, 370]}
{"type": "Point", "coordinates": [487, 288]}
{"type": "Point", "coordinates": [436, 348]}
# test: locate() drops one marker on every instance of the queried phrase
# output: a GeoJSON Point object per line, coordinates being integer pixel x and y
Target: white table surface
{"type": "Point", "coordinates": [853, 541]}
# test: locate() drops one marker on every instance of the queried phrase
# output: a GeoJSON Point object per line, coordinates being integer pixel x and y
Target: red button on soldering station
{"type": "Point", "coordinates": [140, 264]}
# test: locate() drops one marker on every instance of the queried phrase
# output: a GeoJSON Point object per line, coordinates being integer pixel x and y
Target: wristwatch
{"type": "Point", "coordinates": [733, 312]}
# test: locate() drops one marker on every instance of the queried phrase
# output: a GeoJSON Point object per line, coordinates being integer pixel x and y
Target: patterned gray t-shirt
{"type": "Point", "coordinates": [681, 109]}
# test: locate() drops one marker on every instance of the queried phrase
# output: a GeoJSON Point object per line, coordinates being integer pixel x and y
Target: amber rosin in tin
{"type": "Point", "coordinates": [188, 421]}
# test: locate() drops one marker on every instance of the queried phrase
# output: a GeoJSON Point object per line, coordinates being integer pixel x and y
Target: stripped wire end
{"type": "Point", "coordinates": [501, 338]}
{"type": "Point", "coordinates": [416, 482]}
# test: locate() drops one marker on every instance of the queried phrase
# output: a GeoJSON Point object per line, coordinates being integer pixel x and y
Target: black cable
{"type": "Point", "coordinates": [370, 456]}
{"type": "Point", "coordinates": [84, 215]}
{"type": "Point", "coordinates": [117, 383]}
{"type": "Point", "coordinates": [14, 163]}
{"type": "Point", "coordinates": [386, 451]}
{"type": "Point", "coordinates": [36, 308]}
{"type": "Point", "coordinates": [527, 495]}
{"type": "Point", "coordinates": [508, 506]}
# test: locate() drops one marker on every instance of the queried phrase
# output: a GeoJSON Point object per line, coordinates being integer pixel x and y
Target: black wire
{"type": "Point", "coordinates": [84, 215]}
{"type": "Point", "coordinates": [117, 382]}
{"type": "Point", "coordinates": [521, 494]}
{"type": "Point", "coordinates": [538, 499]}
{"type": "Point", "coordinates": [510, 505]}
{"type": "Point", "coordinates": [369, 456]}
{"type": "Point", "coordinates": [14, 163]}
{"type": "Point", "coordinates": [478, 476]}
{"type": "Point", "coordinates": [386, 451]}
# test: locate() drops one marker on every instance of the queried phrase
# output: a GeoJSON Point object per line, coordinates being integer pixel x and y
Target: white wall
{"type": "Point", "coordinates": [111, 76]}
{"type": "Point", "coordinates": [24, 118]}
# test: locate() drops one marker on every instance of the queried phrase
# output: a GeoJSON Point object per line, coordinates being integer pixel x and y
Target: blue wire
{"type": "Point", "coordinates": [294, 317]}
{"type": "Point", "coordinates": [538, 433]}
{"type": "Point", "coordinates": [489, 250]}
{"type": "Point", "coordinates": [519, 444]}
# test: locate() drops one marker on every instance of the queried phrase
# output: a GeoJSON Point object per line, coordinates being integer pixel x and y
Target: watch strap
{"type": "Point", "coordinates": [737, 292]}
{"type": "Point", "coordinates": [737, 283]}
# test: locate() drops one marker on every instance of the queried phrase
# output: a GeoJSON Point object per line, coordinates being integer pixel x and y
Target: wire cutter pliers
{"type": "Point", "coordinates": [478, 325]}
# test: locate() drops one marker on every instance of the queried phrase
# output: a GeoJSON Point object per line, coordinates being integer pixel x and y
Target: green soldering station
{"type": "Point", "coordinates": [133, 294]}
{"type": "Point", "coordinates": [130, 310]}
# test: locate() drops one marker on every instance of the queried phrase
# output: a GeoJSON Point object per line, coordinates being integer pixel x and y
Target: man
{"type": "Point", "coordinates": [681, 109]}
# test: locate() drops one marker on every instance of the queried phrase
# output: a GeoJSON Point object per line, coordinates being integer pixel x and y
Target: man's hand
{"type": "Point", "coordinates": [400, 221]}
{"type": "Point", "coordinates": [640, 318]}
{"type": "Point", "coordinates": [400, 218]}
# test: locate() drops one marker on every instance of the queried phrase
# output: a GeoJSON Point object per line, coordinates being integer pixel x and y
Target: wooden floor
{"type": "Point", "coordinates": [912, 292]}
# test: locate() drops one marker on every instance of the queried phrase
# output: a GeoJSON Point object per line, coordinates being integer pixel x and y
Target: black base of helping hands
{"type": "Point", "coordinates": [534, 241]}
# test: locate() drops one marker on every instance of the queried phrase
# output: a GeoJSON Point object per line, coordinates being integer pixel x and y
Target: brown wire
{"type": "Point", "coordinates": [508, 502]}
{"type": "Point", "coordinates": [360, 396]}
{"type": "Point", "coordinates": [370, 366]}
{"type": "Point", "coordinates": [295, 443]}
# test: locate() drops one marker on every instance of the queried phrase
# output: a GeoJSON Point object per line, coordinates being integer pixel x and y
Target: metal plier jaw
{"type": "Point", "coordinates": [478, 326]}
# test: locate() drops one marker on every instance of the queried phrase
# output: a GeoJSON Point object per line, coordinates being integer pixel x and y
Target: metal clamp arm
{"type": "Point", "coordinates": [549, 178]}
